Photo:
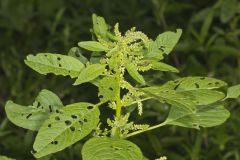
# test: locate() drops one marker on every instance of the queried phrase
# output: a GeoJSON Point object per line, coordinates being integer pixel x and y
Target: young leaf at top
{"type": "Point", "coordinates": [92, 46]}
{"type": "Point", "coordinates": [65, 128]}
{"type": "Point", "coordinates": [204, 116]}
{"type": "Point", "coordinates": [55, 63]}
{"type": "Point", "coordinates": [89, 73]}
{"type": "Point", "coordinates": [100, 28]}
{"type": "Point", "coordinates": [110, 149]}
{"type": "Point", "coordinates": [233, 91]}
{"type": "Point", "coordinates": [32, 117]}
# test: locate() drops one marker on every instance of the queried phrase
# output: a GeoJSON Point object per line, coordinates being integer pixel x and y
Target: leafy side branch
{"type": "Point", "coordinates": [116, 66]}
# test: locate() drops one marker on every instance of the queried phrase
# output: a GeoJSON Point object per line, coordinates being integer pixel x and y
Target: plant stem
{"type": "Point", "coordinates": [118, 99]}
{"type": "Point", "coordinates": [141, 131]}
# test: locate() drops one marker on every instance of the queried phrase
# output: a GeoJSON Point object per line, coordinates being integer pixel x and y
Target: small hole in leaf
{"type": "Point", "coordinates": [100, 96]}
{"type": "Point", "coordinates": [33, 151]}
{"type": "Point", "coordinates": [90, 107]}
{"type": "Point", "coordinates": [45, 55]}
{"type": "Point", "coordinates": [59, 58]}
{"type": "Point", "coordinates": [197, 85]}
{"type": "Point", "coordinates": [68, 123]}
{"type": "Point", "coordinates": [72, 129]}
{"type": "Point", "coordinates": [80, 122]}
{"type": "Point", "coordinates": [49, 126]}
{"type": "Point", "coordinates": [60, 65]}
{"type": "Point", "coordinates": [77, 54]}
{"type": "Point", "coordinates": [202, 78]}
{"type": "Point", "coordinates": [38, 105]}
{"type": "Point", "coordinates": [74, 116]}
{"type": "Point", "coordinates": [85, 120]}
{"type": "Point", "coordinates": [110, 88]}
{"type": "Point", "coordinates": [217, 83]}
{"type": "Point", "coordinates": [50, 108]}
{"type": "Point", "coordinates": [29, 115]}
{"type": "Point", "coordinates": [57, 118]}
{"type": "Point", "coordinates": [55, 142]}
{"type": "Point", "coordinates": [52, 142]}
{"type": "Point", "coordinates": [209, 83]}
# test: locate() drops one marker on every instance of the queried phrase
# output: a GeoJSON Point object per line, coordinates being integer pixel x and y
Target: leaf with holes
{"type": "Point", "coordinates": [76, 53]}
{"type": "Point", "coordinates": [132, 70]}
{"type": "Point", "coordinates": [90, 73]}
{"type": "Point", "coordinates": [108, 89]}
{"type": "Point", "coordinates": [100, 27]}
{"type": "Point", "coordinates": [110, 149]}
{"type": "Point", "coordinates": [167, 40]}
{"type": "Point", "coordinates": [233, 91]}
{"type": "Point", "coordinates": [194, 83]}
{"type": "Point", "coordinates": [55, 63]}
{"type": "Point", "coordinates": [92, 46]}
{"type": "Point", "coordinates": [32, 117]}
{"type": "Point", "coordinates": [204, 116]}
{"type": "Point", "coordinates": [71, 124]}
{"type": "Point", "coordinates": [164, 94]}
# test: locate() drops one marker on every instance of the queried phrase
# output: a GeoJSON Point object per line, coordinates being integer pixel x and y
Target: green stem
{"type": "Point", "coordinates": [118, 99]}
{"type": "Point", "coordinates": [141, 131]}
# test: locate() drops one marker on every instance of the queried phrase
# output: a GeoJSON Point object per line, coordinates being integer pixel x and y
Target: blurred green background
{"type": "Point", "coordinates": [210, 46]}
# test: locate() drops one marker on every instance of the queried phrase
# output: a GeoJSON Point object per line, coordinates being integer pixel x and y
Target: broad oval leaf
{"type": "Point", "coordinates": [204, 116]}
{"type": "Point", "coordinates": [65, 128]}
{"type": "Point", "coordinates": [132, 70]}
{"type": "Point", "coordinates": [167, 40]}
{"type": "Point", "coordinates": [194, 83]}
{"type": "Point", "coordinates": [89, 73]}
{"type": "Point", "coordinates": [55, 63]}
{"type": "Point", "coordinates": [108, 89]}
{"type": "Point", "coordinates": [233, 91]}
{"type": "Point", "coordinates": [110, 149]}
{"type": "Point", "coordinates": [32, 117]}
{"type": "Point", "coordinates": [92, 46]}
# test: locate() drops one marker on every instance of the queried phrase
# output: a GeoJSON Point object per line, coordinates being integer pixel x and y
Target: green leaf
{"type": "Point", "coordinates": [100, 28]}
{"type": "Point", "coordinates": [153, 51]}
{"type": "Point", "coordinates": [55, 63]}
{"type": "Point", "coordinates": [110, 149]}
{"type": "Point", "coordinates": [132, 70]}
{"type": "Point", "coordinates": [76, 53]}
{"type": "Point", "coordinates": [233, 91]}
{"type": "Point", "coordinates": [5, 158]}
{"type": "Point", "coordinates": [164, 94]}
{"type": "Point", "coordinates": [162, 66]}
{"type": "Point", "coordinates": [65, 128]}
{"type": "Point", "coordinates": [228, 10]}
{"type": "Point", "coordinates": [204, 116]}
{"type": "Point", "coordinates": [32, 117]}
{"type": "Point", "coordinates": [167, 40]}
{"type": "Point", "coordinates": [194, 83]}
{"type": "Point", "coordinates": [89, 73]}
{"type": "Point", "coordinates": [108, 89]}
{"type": "Point", "coordinates": [203, 96]}
{"type": "Point", "coordinates": [92, 46]}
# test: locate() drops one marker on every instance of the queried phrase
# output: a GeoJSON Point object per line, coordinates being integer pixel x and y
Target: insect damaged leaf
{"type": "Point", "coordinates": [71, 124]}
{"type": "Point", "coordinates": [32, 117]}
{"type": "Point", "coordinates": [110, 148]}
{"type": "Point", "coordinates": [55, 63]}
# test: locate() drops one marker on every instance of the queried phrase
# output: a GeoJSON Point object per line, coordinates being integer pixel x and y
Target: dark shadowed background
{"type": "Point", "coordinates": [210, 46]}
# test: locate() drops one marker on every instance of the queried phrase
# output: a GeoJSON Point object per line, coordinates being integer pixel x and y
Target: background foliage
{"type": "Point", "coordinates": [210, 46]}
